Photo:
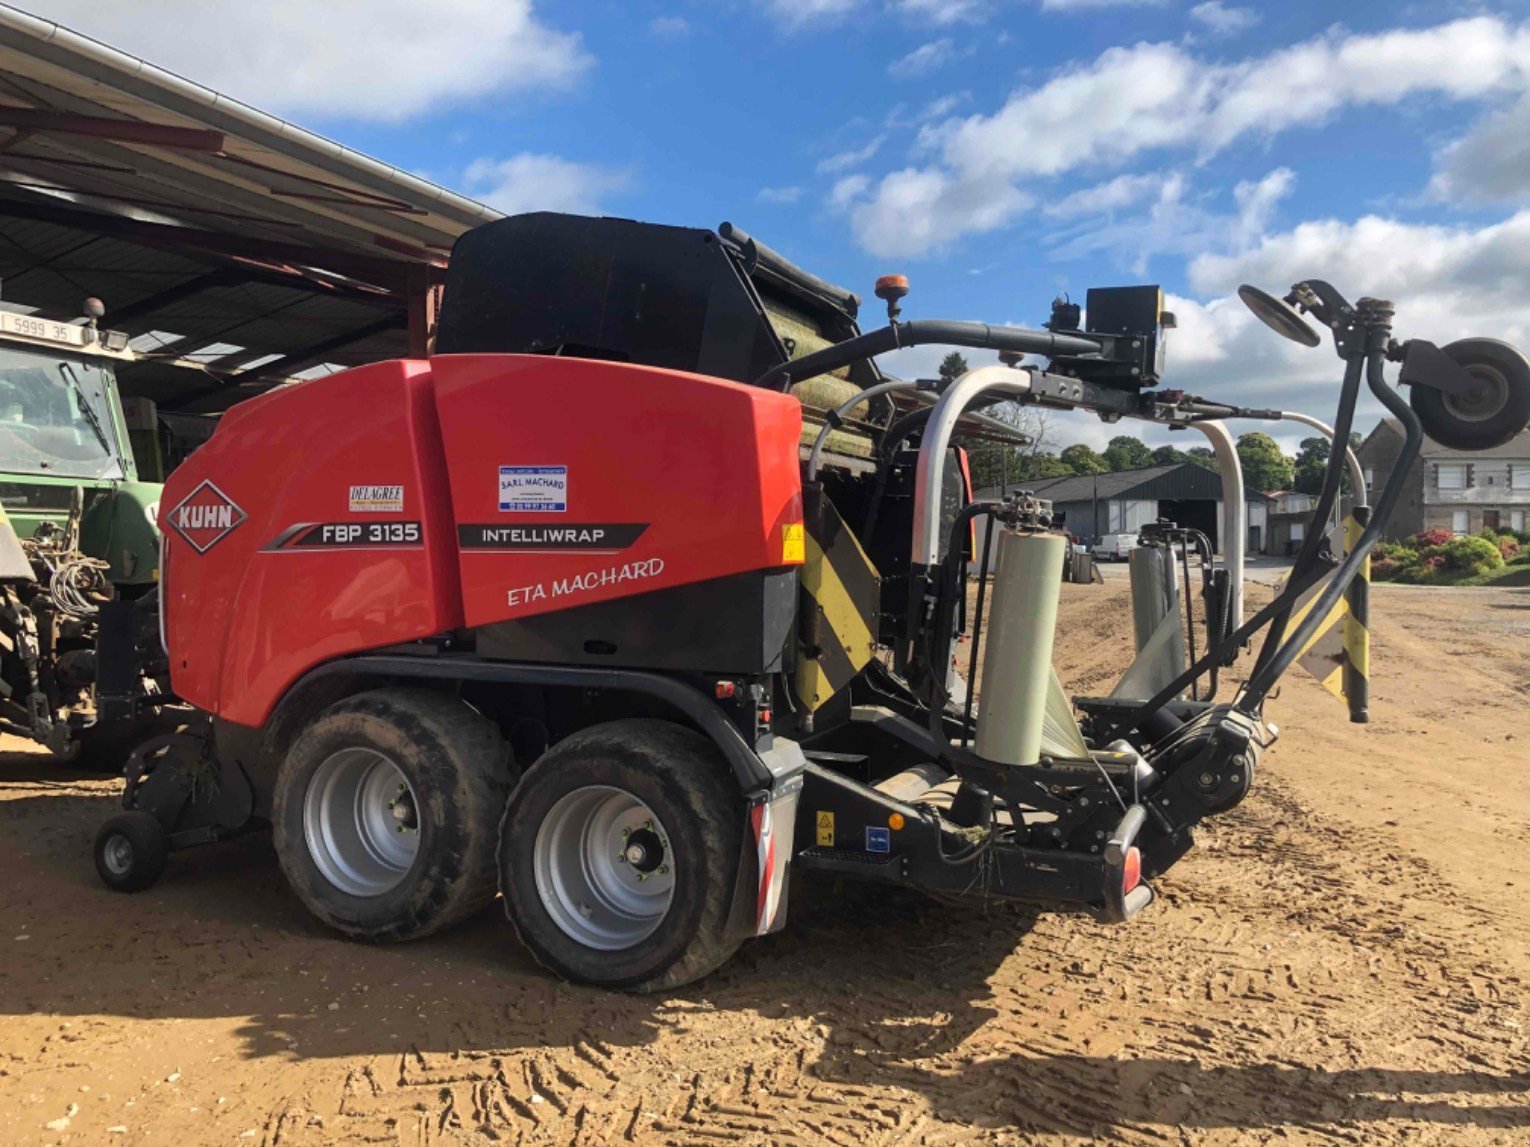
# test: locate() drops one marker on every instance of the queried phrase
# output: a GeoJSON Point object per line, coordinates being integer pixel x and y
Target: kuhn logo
{"type": "Point", "coordinates": [206, 516]}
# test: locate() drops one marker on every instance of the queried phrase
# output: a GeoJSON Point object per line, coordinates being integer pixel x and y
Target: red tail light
{"type": "Point", "coordinates": [1131, 870]}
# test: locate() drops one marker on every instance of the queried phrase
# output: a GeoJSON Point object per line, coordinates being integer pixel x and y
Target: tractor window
{"type": "Point", "coordinates": [55, 416]}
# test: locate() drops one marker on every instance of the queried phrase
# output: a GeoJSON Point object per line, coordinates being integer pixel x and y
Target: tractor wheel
{"type": "Point", "coordinates": [386, 810]}
{"type": "Point", "coordinates": [131, 849]}
{"type": "Point", "coordinates": [1493, 413]}
{"type": "Point", "coordinates": [618, 855]}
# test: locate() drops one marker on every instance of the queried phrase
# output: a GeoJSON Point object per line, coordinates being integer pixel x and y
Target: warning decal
{"type": "Point", "coordinates": [826, 830]}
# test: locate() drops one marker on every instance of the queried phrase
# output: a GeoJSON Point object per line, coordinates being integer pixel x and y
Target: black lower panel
{"type": "Point", "coordinates": [738, 624]}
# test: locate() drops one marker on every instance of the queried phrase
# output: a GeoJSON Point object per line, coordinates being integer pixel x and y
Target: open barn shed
{"type": "Point", "coordinates": [1123, 502]}
{"type": "Point", "coordinates": [238, 250]}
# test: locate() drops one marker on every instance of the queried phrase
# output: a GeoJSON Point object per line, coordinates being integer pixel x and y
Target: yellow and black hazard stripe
{"type": "Point", "coordinates": [1338, 653]}
{"type": "Point", "coordinates": [1357, 625]}
{"type": "Point", "coordinates": [841, 597]}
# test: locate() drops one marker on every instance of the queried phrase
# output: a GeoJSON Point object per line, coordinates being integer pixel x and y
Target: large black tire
{"type": "Point", "coordinates": [458, 770]}
{"type": "Point", "coordinates": [1491, 415]}
{"type": "Point", "coordinates": [131, 850]}
{"type": "Point", "coordinates": [682, 777]}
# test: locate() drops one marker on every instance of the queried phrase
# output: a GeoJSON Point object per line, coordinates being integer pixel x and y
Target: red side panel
{"type": "Point", "coordinates": [316, 522]}
{"type": "Point", "coordinates": [574, 481]}
{"type": "Point", "coordinates": [384, 505]}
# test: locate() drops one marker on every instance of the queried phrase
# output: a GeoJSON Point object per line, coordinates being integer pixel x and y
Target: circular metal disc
{"type": "Point", "coordinates": [1278, 315]}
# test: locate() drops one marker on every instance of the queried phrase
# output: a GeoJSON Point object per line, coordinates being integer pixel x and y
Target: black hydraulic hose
{"type": "Point", "coordinates": [977, 629]}
{"type": "Point", "coordinates": [781, 267]}
{"type": "Point", "coordinates": [1184, 561]}
{"type": "Point", "coordinates": [1312, 544]}
{"type": "Point", "coordinates": [1263, 680]}
{"type": "Point", "coordinates": [948, 585]}
{"type": "Point", "coordinates": [921, 332]}
{"type": "Point", "coordinates": [892, 438]}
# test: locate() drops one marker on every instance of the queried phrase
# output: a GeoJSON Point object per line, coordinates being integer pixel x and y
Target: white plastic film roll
{"type": "Point", "coordinates": [1017, 664]}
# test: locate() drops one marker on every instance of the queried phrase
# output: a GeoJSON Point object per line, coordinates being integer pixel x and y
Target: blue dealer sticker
{"type": "Point", "coordinates": [878, 839]}
{"type": "Point", "coordinates": [538, 489]}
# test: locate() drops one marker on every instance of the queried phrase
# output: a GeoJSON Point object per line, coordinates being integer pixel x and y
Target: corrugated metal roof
{"type": "Point", "coordinates": [187, 211]}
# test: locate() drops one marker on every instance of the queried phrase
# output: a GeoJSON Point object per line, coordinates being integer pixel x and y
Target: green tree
{"type": "Point", "coordinates": [1203, 456]}
{"type": "Point", "coordinates": [1169, 455]}
{"type": "Point", "coordinates": [1127, 453]}
{"type": "Point", "coordinates": [952, 367]}
{"type": "Point", "coordinates": [1311, 462]}
{"type": "Point", "coordinates": [1046, 466]}
{"type": "Point", "coordinates": [1264, 466]}
{"type": "Point", "coordinates": [1080, 459]}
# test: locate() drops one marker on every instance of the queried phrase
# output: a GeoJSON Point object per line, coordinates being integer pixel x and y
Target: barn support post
{"type": "Point", "coordinates": [424, 304]}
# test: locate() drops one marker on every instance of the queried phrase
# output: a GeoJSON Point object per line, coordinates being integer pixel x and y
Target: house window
{"type": "Point", "coordinates": [1370, 478]}
{"type": "Point", "coordinates": [1450, 475]}
{"type": "Point", "coordinates": [1519, 476]}
{"type": "Point", "coordinates": [1517, 521]}
{"type": "Point", "coordinates": [1298, 531]}
{"type": "Point", "coordinates": [1460, 522]}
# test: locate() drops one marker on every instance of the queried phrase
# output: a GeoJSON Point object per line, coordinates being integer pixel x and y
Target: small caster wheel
{"type": "Point", "coordinates": [131, 849]}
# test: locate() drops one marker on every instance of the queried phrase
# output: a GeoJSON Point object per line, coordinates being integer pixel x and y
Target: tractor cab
{"type": "Point", "coordinates": [66, 452]}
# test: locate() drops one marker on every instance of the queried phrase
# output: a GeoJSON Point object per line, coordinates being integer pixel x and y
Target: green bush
{"type": "Point", "coordinates": [1470, 554]}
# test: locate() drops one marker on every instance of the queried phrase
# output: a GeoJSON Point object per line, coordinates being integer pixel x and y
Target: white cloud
{"type": "Point", "coordinates": [779, 194]}
{"type": "Point", "coordinates": [796, 14]}
{"type": "Point", "coordinates": [944, 11]}
{"type": "Point", "coordinates": [909, 210]}
{"type": "Point", "coordinates": [1175, 221]}
{"type": "Point", "coordinates": [847, 190]}
{"type": "Point", "coordinates": [1122, 191]}
{"type": "Point", "coordinates": [531, 182]}
{"type": "Point", "coordinates": [1152, 97]}
{"type": "Point", "coordinates": [669, 27]}
{"type": "Point", "coordinates": [1088, 5]}
{"type": "Point", "coordinates": [854, 157]}
{"type": "Point", "coordinates": [944, 106]}
{"type": "Point", "coordinates": [1491, 163]}
{"type": "Point", "coordinates": [357, 59]}
{"type": "Point", "coordinates": [1221, 20]}
{"type": "Point", "coordinates": [923, 60]}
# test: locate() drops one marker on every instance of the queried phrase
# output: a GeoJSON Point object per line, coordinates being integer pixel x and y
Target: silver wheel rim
{"type": "Point", "coordinates": [118, 855]}
{"type": "Point", "coordinates": [361, 823]}
{"type": "Point", "coordinates": [604, 868]}
{"type": "Point", "coordinates": [1486, 399]}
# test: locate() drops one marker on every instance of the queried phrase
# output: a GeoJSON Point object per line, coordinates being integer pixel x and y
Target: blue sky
{"type": "Point", "coordinates": [996, 151]}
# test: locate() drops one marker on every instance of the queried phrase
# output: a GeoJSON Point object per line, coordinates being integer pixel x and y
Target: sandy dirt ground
{"type": "Point", "coordinates": [1342, 959]}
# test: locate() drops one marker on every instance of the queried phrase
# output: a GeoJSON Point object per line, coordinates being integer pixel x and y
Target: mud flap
{"type": "Point", "coordinates": [760, 892]}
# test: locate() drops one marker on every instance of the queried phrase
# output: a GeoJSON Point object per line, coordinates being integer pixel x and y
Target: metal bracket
{"type": "Point", "coordinates": [1427, 365]}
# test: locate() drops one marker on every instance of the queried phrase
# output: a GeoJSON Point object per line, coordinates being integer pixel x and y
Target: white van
{"type": "Point", "coordinates": [1114, 547]}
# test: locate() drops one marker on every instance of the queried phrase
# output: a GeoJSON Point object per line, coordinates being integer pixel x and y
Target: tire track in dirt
{"type": "Point", "coordinates": [1300, 978]}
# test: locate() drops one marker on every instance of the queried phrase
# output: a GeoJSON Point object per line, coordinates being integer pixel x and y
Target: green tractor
{"type": "Point", "coordinates": [79, 540]}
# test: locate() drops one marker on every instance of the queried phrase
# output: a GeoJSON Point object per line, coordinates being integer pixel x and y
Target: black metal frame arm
{"type": "Point", "coordinates": [922, 332]}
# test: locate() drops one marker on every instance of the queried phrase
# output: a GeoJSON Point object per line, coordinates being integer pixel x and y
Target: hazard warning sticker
{"type": "Point", "coordinates": [793, 544]}
{"type": "Point", "coordinates": [825, 830]}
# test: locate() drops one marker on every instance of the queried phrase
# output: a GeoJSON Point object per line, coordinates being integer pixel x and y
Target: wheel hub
{"type": "Point", "coordinates": [603, 867]}
{"type": "Point", "coordinates": [1488, 394]}
{"type": "Point", "coordinates": [118, 855]}
{"type": "Point", "coordinates": [361, 822]}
